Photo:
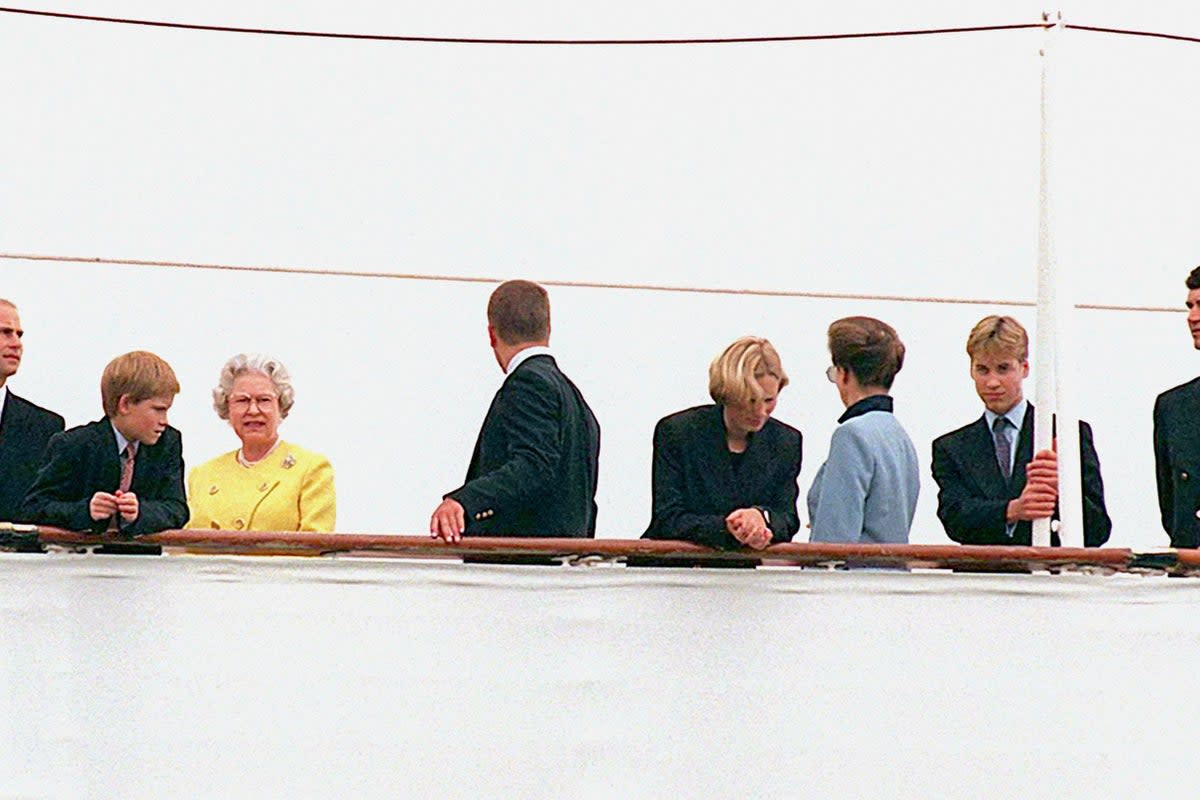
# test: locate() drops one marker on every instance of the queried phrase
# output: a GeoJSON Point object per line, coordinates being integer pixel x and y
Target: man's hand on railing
{"type": "Point", "coordinates": [448, 522]}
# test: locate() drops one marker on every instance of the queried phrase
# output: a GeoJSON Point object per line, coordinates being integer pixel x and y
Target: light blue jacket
{"type": "Point", "coordinates": [866, 491]}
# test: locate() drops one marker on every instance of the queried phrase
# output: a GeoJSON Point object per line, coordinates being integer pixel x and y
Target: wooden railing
{"type": "Point", "coordinates": [629, 551]}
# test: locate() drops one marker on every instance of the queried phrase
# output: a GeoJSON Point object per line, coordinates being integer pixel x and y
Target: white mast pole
{"type": "Point", "coordinates": [1055, 309]}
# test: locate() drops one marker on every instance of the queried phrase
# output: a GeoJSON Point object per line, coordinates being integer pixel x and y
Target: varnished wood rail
{"type": "Point", "coordinates": [630, 551]}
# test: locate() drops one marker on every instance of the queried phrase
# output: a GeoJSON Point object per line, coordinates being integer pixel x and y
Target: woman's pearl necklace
{"type": "Point", "coordinates": [245, 462]}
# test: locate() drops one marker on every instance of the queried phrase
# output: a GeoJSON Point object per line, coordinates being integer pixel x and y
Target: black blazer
{"type": "Point", "coordinates": [534, 469]}
{"type": "Point", "coordinates": [1177, 462]}
{"type": "Point", "coordinates": [696, 485]}
{"type": "Point", "coordinates": [24, 430]}
{"type": "Point", "coordinates": [84, 460]}
{"type": "Point", "coordinates": [973, 497]}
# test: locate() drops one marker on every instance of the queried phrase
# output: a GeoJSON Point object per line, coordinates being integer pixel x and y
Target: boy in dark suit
{"type": "Point", "coordinates": [1177, 443]}
{"type": "Point", "coordinates": [124, 472]}
{"type": "Point", "coordinates": [991, 484]}
{"type": "Point", "coordinates": [24, 427]}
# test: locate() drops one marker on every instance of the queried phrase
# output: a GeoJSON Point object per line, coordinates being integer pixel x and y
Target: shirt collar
{"type": "Point", "coordinates": [875, 402]}
{"type": "Point", "coordinates": [122, 442]}
{"type": "Point", "coordinates": [522, 356]}
{"type": "Point", "coordinates": [3, 397]}
{"type": "Point", "coordinates": [1015, 415]}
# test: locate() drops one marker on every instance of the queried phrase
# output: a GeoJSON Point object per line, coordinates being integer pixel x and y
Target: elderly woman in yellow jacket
{"type": "Point", "coordinates": [267, 484]}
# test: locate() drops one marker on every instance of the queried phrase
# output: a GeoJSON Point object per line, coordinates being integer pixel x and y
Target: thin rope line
{"type": "Point", "coordinates": [642, 287]}
{"type": "Point", "coordinates": [482, 40]}
{"type": "Point", "coordinates": [476, 40]}
{"type": "Point", "coordinates": [1122, 32]}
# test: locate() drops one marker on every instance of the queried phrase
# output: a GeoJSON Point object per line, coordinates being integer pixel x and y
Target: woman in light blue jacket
{"type": "Point", "coordinates": [866, 491]}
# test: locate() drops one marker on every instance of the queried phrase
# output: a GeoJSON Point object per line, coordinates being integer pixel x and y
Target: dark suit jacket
{"type": "Point", "coordinates": [84, 460]}
{"type": "Point", "coordinates": [1177, 462]}
{"type": "Point", "coordinates": [534, 469]}
{"type": "Point", "coordinates": [24, 430]}
{"type": "Point", "coordinates": [973, 497]}
{"type": "Point", "coordinates": [696, 485]}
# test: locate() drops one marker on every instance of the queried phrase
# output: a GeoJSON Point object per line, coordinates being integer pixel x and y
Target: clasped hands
{"type": "Point", "coordinates": [749, 527]}
{"type": "Point", "coordinates": [1040, 495]}
{"type": "Point", "coordinates": [103, 505]}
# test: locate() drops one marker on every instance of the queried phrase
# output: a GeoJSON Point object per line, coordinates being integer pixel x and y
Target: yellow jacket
{"type": "Point", "coordinates": [289, 490]}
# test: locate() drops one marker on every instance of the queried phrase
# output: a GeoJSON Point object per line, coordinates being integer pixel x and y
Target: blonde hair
{"type": "Point", "coordinates": [733, 376]}
{"type": "Point", "coordinates": [257, 364]}
{"type": "Point", "coordinates": [997, 335]}
{"type": "Point", "coordinates": [139, 375]}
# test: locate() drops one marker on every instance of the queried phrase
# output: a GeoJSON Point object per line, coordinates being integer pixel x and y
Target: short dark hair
{"type": "Point", "coordinates": [519, 312]}
{"type": "Point", "coordinates": [1193, 280]}
{"type": "Point", "coordinates": [868, 348]}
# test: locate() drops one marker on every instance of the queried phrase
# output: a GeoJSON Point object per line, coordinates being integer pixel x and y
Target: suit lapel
{"type": "Point", "coordinates": [725, 479]}
{"type": "Point", "coordinates": [1184, 425]}
{"type": "Point", "coordinates": [1024, 451]}
{"type": "Point", "coordinates": [9, 424]}
{"type": "Point", "coordinates": [110, 460]}
{"type": "Point", "coordinates": [979, 456]}
{"type": "Point", "coordinates": [143, 466]}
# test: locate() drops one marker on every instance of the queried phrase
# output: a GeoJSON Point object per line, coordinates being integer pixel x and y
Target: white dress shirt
{"type": "Point", "coordinates": [528, 352]}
